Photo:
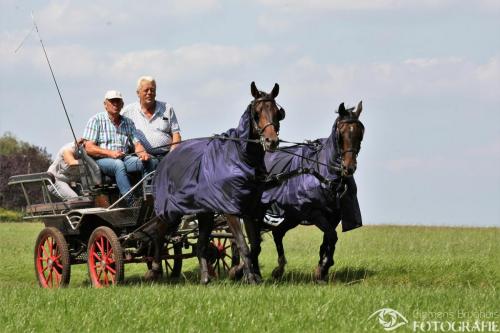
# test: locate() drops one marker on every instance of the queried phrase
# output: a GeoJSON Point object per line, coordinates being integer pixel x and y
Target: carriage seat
{"type": "Point", "coordinates": [60, 206]}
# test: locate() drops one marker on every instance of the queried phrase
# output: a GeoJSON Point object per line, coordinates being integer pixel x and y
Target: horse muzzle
{"type": "Point", "coordinates": [269, 144]}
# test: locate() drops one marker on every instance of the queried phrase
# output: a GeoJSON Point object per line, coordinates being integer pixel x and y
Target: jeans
{"type": "Point", "coordinates": [118, 169]}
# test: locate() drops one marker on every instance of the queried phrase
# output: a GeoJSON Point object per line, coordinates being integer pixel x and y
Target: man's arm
{"type": "Point", "coordinates": [69, 157]}
{"type": "Point", "coordinates": [95, 151]}
{"type": "Point", "coordinates": [140, 151]}
{"type": "Point", "coordinates": [176, 138]}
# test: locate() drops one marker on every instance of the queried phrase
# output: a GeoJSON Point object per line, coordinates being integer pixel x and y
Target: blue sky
{"type": "Point", "coordinates": [428, 73]}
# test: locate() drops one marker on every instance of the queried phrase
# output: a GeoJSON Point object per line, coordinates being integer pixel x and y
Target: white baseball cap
{"type": "Point", "coordinates": [112, 94]}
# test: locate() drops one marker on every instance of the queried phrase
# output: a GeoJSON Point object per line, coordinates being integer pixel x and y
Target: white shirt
{"type": "Point", "coordinates": [60, 169]}
{"type": "Point", "coordinates": [155, 133]}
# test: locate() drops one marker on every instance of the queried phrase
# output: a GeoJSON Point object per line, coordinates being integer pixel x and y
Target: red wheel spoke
{"type": "Point", "coordinates": [96, 256]}
{"type": "Point", "coordinates": [58, 277]}
{"type": "Point", "coordinates": [50, 279]}
{"type": "Point", "coordinates": [100, 246]}
{"type": "Point", "coordinates": [112, 270]}
{"type": "Point", "coordinates": [46, 279]}
{"type": "Point", "coordinates": [44, 250]}
{"type": "Point", "coordinates": [49, 240]}
{"type": "Point", "coordinates": [59, 264]}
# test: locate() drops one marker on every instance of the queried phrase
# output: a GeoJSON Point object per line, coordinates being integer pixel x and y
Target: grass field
{"type": "Point", "coordinates": [422, 272]}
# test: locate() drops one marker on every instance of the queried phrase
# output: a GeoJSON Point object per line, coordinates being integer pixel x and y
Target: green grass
{"type": "Point", "coordinates": [414, 270]}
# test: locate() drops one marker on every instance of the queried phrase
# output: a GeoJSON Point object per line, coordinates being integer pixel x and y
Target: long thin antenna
{"type": "Point", "coordinates": [24, 39]}
{"type": "Point", "coordinates": [53, 77]}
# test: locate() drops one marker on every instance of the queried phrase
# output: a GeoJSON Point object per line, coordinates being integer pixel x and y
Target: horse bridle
{"type": "Point", "coordinates": [354, 150]}
{"type": "Point", "coordinates": [260, 130]}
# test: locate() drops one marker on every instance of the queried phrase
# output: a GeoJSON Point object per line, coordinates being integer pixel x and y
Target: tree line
{"type": "Point", "coordinates": [19, 157]}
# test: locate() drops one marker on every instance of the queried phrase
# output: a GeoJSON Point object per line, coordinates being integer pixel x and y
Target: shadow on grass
{"type": "Point", "coordinates": [347, 275]}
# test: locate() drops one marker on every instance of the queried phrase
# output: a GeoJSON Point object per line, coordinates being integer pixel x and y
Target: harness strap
{"type": "Point", "coordinates": [338, 187]}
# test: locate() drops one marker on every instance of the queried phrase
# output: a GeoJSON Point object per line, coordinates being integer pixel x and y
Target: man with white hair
{"type": "Point", "coordinates": [155, 121]}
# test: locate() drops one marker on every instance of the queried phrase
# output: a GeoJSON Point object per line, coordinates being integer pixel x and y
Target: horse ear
{"type": "Point", "coordinates": [276, 90]}
{"type": "Point", "coordinates": [359, 109]}
{"type": "Point", "coordinates": [342, 111]}
{"type": "Point", "coordinates": [253, 89]}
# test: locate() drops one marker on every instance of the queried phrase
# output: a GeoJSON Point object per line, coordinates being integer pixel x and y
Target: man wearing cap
{"type": "Point", "coordinates": [108, 137]}
{"type": "Point", "coordinates": [155, 121]}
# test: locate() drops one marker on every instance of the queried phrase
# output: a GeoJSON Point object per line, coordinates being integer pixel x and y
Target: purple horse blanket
{"type": "Point", "coordinates": [211, 175]}
{"type": "Point", "coordinates": [299, 195]}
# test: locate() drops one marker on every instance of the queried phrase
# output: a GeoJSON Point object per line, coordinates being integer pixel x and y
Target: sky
{"type": "Point", "coordinates": [427, 71]}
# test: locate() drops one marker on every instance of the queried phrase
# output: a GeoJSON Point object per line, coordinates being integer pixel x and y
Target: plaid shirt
{"type": "Point", "coordinates": [101, 130]}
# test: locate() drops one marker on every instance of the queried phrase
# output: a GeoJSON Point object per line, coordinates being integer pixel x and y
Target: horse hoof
{"type": "Point", "coordinates": [278, 273]}
{"type": "Point", "coordinates": [235, 273]}
{"type": "Point", "coordinates": [321, 282]}
{"type": "Point", "coordinates": [319, 276]}
{"type": "Point", "coordinates": [152, 275]}
{"type": "Point", "coordinates": [205, 280]}
{"type": "Point", "coordinates": [252, 278]}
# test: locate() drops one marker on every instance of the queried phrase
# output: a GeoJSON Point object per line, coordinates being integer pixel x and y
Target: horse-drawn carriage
{"type": "Point", "coordinates": [98, 229]}
{"type": "Point", "coordinates": [192, 207]}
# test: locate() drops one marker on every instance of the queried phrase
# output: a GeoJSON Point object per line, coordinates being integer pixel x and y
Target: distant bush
{"type": "Point", "coordinates": [10, 215]}
{"type": "Point", "coordinates": [19, 157]}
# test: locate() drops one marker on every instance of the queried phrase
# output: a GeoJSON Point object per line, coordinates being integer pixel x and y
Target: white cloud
{"type": "Point", "coordinates": [189, 61]}
{"type": "Point", "coordinates": [422, 77]}
{"type": "Point", "coordinates": [328, 5]}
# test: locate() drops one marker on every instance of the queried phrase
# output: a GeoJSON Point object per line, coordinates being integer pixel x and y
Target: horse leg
{"type": "Point", "coordinates": [327, 248]}
{"type": "Point", "coordinates": [279, 270]}
{"type": "Point", "coordinates": [205, 225]}
{"type": "Point", "coordinates": [155, 270]}
{"type": "Point", "coordinates": [157, 231]}
{"type": "Point", "coordinates": [278, 235]}
{"type": "Point", "coordinates": [239, 239]}
{"type": "Point", "coordinates": [252, 227]}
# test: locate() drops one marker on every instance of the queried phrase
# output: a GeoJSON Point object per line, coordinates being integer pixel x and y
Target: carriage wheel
{"type": "Point", "coordinates": [223, 253]}
{"type": "Point", "coordinates": [105, 258]}
{"type": "Point", "coordinates": [52, 263]}
{"type": "Point", "coordinates": [173, 264]}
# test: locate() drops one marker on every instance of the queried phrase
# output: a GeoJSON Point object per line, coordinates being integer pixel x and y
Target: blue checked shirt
{"type": "Point", "coordinates": [101, 130]}
{"type": "Point", "coordinates": [155, 134]}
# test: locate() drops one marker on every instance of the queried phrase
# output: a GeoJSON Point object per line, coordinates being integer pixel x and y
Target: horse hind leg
{"type": "Point", "coordinates": [279, 270]}
{"type": "Point", "coordinates": [205, 224]}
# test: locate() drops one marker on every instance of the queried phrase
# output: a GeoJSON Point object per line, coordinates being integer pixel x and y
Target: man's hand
{"type": "Point", "coordinates": [143, 156]}
{"type": "Point", "coordinates": [140, 151]}
{"type": "Point", "coordinates": [116, 154]}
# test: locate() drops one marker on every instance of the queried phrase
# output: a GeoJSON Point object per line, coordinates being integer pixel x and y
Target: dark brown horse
{"type": "Point", "coordinates": [222, 174]}
{"type": "Point", "coordinates": [313, 185]}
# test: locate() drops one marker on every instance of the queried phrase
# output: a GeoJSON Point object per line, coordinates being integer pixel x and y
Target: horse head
{"type": "Point", "coordinates": [350, 133]}
{"type": "Point", "coordinates": [266, 116]}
